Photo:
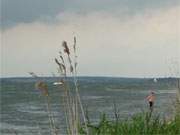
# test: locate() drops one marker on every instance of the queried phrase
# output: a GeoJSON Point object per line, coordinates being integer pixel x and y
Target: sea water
{"type": "Point", "coordinates": [24, 112]}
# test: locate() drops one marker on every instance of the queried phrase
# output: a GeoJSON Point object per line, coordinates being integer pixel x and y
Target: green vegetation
{"type": "Point", "coordinates": [77, 123]}
{"type": "Point", "coordinates": [146, 123]}
{"type": "Point", "coordinates": [139, 124]}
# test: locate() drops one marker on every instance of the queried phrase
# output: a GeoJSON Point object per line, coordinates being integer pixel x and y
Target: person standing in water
{"type": "Point", "coordinates": [151, 98]}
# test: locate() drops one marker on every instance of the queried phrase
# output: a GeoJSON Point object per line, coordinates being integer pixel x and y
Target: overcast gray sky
{"type": "Point", "coordinates": [126, 38]}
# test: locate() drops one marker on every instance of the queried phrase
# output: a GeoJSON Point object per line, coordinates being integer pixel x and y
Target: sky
{"type": "Point", "coordinates": [121, 38]}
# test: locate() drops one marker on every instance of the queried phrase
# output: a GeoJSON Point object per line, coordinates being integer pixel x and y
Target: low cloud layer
{"type": "Point", "coordinates": [28, 11]}
{"type": "Point", "coordinates": [108, 45]}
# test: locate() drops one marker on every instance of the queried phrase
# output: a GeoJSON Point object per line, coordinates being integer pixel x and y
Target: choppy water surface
{"type": "Point", "coordinates": [23, 109]}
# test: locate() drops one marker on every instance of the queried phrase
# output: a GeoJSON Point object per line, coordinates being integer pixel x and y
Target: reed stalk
{"type": "Point", "coordinates": [51, 118]}
{"type": "Point", "coordinates": [76, 86]}
{"type": "Point", "coordinates": [72, 98]}
{"type": "Point", "coordinates": [40, 85]}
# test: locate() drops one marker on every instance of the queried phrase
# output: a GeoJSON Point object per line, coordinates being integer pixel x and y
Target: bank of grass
{"type": "Point", "coordinates": [139, 124]}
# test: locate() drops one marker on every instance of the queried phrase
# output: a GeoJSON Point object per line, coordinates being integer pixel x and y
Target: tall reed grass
{"type": "Point", "coordinates": [78, 122]}
{"type": "Point", "coordinates": [43, 88]}
{"type": "Point", "coordinates": [73, 107]}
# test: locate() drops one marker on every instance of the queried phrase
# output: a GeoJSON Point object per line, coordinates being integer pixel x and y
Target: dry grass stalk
{"type": "Point", "coordinates": [71, 97]}
{"type": "Point", "coordinates": [43, 88]}
{"type": "Point", "coordinates": [76, 86]}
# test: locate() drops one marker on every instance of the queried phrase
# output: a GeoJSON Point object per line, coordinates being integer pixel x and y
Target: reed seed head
{"type": "Point", "coordinates": [61, 66]}
{"type": "Point", "coordinates": [42, 87]}
{"type": "Point", "coordinates": [74, 43]}
{"type": "Point", "coordinates": [71, 68]}
{"type": "Point", "coordinates": [66, 48]}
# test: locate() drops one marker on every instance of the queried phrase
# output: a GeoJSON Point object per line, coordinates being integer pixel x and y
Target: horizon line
{"type": "Point", "coordinates": [98, 76]}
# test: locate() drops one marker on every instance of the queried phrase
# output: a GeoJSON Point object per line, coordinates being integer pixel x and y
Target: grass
{"type": "Point", "coordinates": [146, 123]}
{"type": "Point", "coordinates": [73, 108]}
{"type": "Point", "coordinates": [139, 124]}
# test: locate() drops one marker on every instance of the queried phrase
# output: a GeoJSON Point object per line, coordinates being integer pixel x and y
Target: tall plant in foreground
{"type": "Point", "coordinates": [43, 88]}
{"type": "Point", "coordinates": [72, 101]}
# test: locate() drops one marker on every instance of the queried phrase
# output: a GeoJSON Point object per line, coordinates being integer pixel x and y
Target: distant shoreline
{"type": "Point", "coordinates": [112, 77]}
